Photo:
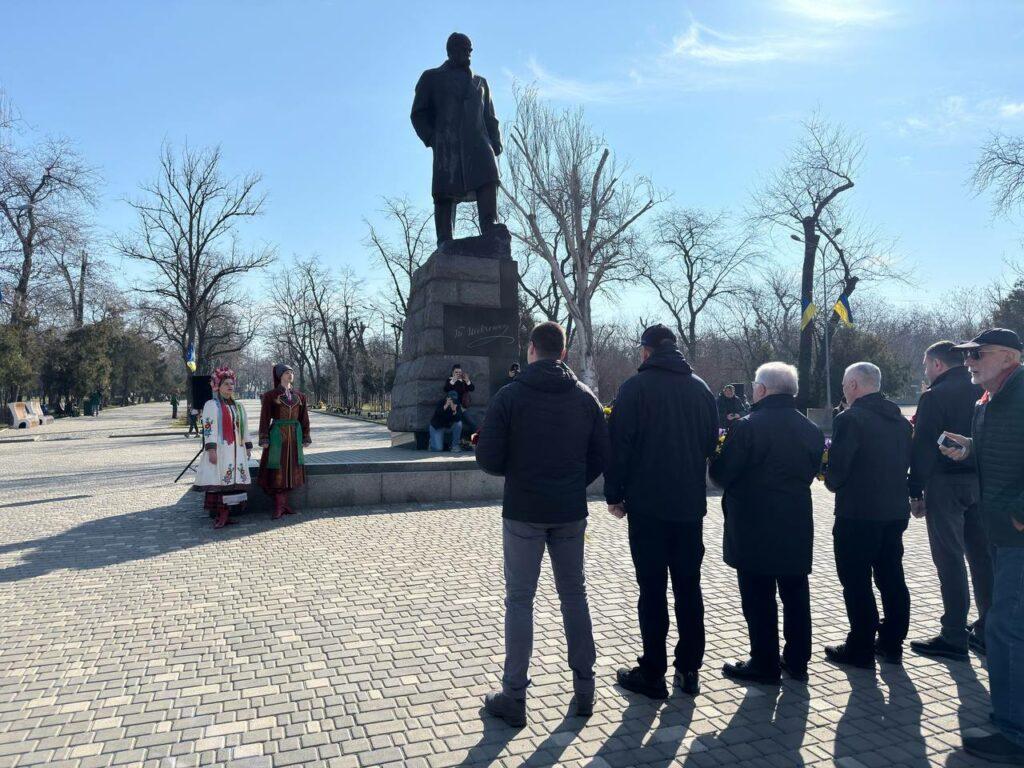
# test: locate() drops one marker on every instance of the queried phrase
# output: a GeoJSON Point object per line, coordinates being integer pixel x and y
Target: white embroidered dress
{"type": "Point", "coordinates": [231, 472]}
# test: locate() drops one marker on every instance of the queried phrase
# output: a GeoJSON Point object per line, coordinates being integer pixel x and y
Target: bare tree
{"type": "Point", "coordinates": [1000, 168]}
{"type": "Point", "coordinates": [43, 189]}
{"type": "Point", "coordinates": [187, 235]}
{"type": "Point", "coordinates": [296, 325]}
{"type": "Point", "coordinates": [403, 252]}
{"type": "Point", "coordinates": [819, 168]}
{"type": "Point", "coordinates": [696, 264]}
{"type": "Point", "coordinates": [565, 187]}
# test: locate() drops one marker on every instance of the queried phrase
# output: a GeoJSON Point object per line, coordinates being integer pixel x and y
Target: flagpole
{"type": "Point", "coordinates": [827, 316]}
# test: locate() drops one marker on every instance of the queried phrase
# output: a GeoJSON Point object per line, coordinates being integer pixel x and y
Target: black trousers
{"type": "Point", "coordinates": [866, 549]}
{"type": "Point", "coordinates": [661, 549]}
{"type": "Point", "coordinates": [757, 593]}
{"type": "Point", "coordinates": [486, 209]}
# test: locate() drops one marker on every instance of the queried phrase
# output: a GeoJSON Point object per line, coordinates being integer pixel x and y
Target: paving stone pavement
{"type": "Point", "coordinates": [132, 633]}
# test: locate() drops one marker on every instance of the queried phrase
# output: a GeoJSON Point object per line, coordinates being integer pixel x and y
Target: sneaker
{"type": "Point", "coordinates": [995, 748]}
{"type": "Point", "coordinates": [840, 654]}
{"type": "Point", "coordinates": [583, 704]}
{"type": "Point", "coordinates": [512, 711]}
{"type": "Point", "coordinates": [634, 680]}
{"type": "Point", "coordinates": [889, 656]}
{"type": "Point", "coordinates": [938, 647]}
{"type": "Point", "coordinates": [794, 672]}
{"type": "Point", "coordinates": [689, 682]}
{"type": "Point", "coordinates": [746, 671]}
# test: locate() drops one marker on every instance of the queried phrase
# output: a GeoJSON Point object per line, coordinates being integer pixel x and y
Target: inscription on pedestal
{"type": "Point", "coordinates": [480, 331]}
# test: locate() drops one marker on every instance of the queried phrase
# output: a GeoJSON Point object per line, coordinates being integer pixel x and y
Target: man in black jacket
{"type": "Point", "coordinates": [664, 427]}
{"type": "Point", "coordinates": [730, 407]}
{"type": "Point", "coordinates": [766, 468]}
{"type": "Point", "coordinates": [546, 433]}
{"type": "Point", "coordinates": [945, 493]}
{"type": "Point", "coordinates": [867, 470]}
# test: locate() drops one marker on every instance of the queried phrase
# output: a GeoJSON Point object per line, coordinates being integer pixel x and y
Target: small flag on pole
{"type": "Point", "coordinates": [842, 309]}
{"type": "Point", "coordinates": [809, 312]}
{"type": "Point", "coordinates": [190, 358]}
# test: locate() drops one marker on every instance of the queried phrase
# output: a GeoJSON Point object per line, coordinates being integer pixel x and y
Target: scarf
{"type": "Point", "coordinates": [999, 384]}
{"type": "Point", "coordinates": [227, 420]}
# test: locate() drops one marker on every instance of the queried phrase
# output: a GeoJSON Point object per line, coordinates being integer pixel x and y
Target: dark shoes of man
{"type": "Point", "coordinates": [689, 682]}
{"type": "Point", "coordinates": [636, 681]}
{"type": "Point", "coordinates": [841, 654]}
{"type": "Point", "coordinates": [794, 672]}
{"type": "Point", "coordinates": [976, 641]}
{"type": "Point", "coordinates": [889, 655]}
{"type": "Point", "coordinates": [747, 671]}
{"type": "Point", "coordinates": [939, 647]}
{"type": "Point", "coordinates": [583, 704]}
{"type": "Point", "coordinates": [512, 711]}
{"type": "Point", "coordinates": [996, 748]}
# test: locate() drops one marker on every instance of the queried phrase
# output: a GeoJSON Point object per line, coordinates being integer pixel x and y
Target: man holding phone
{"type": "Point", "coordinates": [945, 493]}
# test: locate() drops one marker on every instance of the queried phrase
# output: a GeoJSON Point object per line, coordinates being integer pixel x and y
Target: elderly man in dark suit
{"type": "Point", "coordinates": [453, 114]}
{"type": "Point", "coordinates": [766, 468]}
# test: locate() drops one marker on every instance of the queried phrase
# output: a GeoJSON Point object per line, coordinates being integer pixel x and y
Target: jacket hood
{"type": "Point", "coordinates": [879, 404]}
{"type": "Point", "coordinates": [668, 359]}
{"type": "Point", "coordinates": [547, 376]}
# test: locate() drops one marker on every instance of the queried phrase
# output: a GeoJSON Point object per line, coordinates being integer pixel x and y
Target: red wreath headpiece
{"type": "Point", "coordinates": [224, 372]}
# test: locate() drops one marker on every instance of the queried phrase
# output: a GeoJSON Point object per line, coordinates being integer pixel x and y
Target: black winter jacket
{"type": "Point", "coordinates": [443, 417]}
{"type": "Point", "coordinates": [664, 427]}
{"type": "Point", "coordinates": [546, 433]}
{"type": "Point", "coordinates": [999, 456]}
{"type": "Point", "coordinates": [766, 468]}
{"type": "Point", "coordinates": [946, 406]}
{"type": "Point", "coordinates": [868, 460]}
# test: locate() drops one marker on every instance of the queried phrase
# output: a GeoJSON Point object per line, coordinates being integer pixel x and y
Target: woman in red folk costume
{"type": "Point", "coordinates": [223, 472]}
{"type": "Point", "coordinates": [284, 432]}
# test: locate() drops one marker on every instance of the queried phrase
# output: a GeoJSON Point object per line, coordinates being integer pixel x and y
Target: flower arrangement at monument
{"type": "Point", "coordinates": [824, 459]}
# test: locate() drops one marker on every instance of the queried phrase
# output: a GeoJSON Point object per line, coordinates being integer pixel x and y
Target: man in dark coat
{"type": "Point", "coordinates": [997, 450]}
{"type": "Point", "coordinates": [546, 433]}
{"type": "Point", "coordinates": [730, 407]}
{"type": "Point", "coordinates": [453, 114]}
{"type": "Point", "coordinates": [766, 468]}
{"type": "Point", "coordinates": [664, 427]}
{"type": "Point", "coordinates": [945, 493]}
{"type": "Point", "coordinates": [867, 471]}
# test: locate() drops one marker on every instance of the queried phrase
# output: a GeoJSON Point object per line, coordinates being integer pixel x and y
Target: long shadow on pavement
{"type": "Point", "coordinates": [626, 746]}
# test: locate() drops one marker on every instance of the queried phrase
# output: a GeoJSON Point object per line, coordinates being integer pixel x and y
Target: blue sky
{"type": "Point", "coordinates": [703, 97]}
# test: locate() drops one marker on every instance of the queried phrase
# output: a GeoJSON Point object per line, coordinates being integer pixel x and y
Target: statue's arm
{"type": "Point", "coordinates": [491, 120]}
{"type": "Point", "coordinates": [423, 111]}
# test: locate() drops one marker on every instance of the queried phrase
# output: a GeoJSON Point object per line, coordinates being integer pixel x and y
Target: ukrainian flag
{"type": "Point", "coordinates": [190, 359]}
{"type": "Point", "coordinates": [809, 312]}
{"type": "Point", "coordinates": [842, 309]}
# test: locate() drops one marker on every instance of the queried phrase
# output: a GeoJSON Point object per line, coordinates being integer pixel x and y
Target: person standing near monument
{"type": "Point", "coordinates": [453, 114]}
{"type": "Point", "coordinates": [664, 428]}
{"type": "Point", "coordinates": [223, 472]}
{"type": "Point", "coordinates": [546, 434]}
{"type": "Point", "coordinates": [284, 432]}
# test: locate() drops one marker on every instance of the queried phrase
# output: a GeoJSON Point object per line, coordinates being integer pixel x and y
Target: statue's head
{"type": "Point", "coordinates": [459, 49]}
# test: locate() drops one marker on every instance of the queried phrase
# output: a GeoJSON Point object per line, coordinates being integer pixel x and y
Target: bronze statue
{"type": "Point", "coordinates": [453, 114]}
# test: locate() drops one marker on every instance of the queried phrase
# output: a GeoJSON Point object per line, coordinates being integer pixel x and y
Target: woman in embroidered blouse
{"type": "Point", "coordinates": [223, 472]}
{"type": "Point", "coordinates": [284, 432]}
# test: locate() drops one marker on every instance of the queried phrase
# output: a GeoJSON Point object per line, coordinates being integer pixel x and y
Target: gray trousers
{"type": "Point", "coordinates": [955, 530]}
{"type": "Point", "coordinates": [524, 545]}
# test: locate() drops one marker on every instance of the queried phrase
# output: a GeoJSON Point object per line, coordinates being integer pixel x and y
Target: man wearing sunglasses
{"type": "Point", "coordinates": [997, 450]}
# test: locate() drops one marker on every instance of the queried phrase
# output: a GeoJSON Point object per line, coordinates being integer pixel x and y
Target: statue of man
{"type": "Point", "coordinates": [453, 114]}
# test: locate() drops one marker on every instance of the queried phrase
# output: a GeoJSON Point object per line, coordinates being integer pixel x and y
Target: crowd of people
{"type": "Point", "coordinates": [960, 467]}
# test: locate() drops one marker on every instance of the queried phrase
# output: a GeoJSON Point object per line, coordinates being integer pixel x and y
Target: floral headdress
{"type": "Point", "coordinates": [222, 373]}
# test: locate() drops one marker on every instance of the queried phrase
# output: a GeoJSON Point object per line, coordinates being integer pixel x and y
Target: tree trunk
{"type": "Point", "coordinates": [585, 338]}
{"type": "Point", "coordinates": [19, 304]}
{"type": "Point", "coordinates": [806, 295]}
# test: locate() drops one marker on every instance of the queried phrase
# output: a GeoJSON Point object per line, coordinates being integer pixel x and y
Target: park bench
{"type": "Point", "coordinates": [36, 409]}
{"type": "Point", "coordinates": [21, 416]}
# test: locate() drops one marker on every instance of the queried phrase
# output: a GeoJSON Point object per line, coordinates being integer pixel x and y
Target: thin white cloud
{"type": "Point", "coordinates": [837, 11]}
{"type": "Point", "coordinates": [955, 116]}
{"type": "Point", "coordinates": [1012, 109]}
{"type": "Point", "coordinates": [707, 46]}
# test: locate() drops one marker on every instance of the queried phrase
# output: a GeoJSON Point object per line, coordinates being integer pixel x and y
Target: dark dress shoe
{"type": "Point", "coordinates": [794, 672]}
{"type": "Point", "coordinates": [840, 654]}
{"type": "Point", "coordinates": [996, 748]}
{"type": "Point", "coordinates": [583, 704]}
{"type": "Point", "coordinates": [512, 711]}
{"type": "Point", "coordinates": [747, 672]}
{"type": "Point", "coordinates": [888, 655]}
{"type": "Point", "coordinates": [636, 681]}
{"type": "Point", "coordinates": [976, 641]}
{"type": "Point", "coordinates": [688, 681]}
{"type": "Point", "coordinates": [938, 647]}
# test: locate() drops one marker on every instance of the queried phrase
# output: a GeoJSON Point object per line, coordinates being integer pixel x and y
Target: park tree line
{"type": "Point", "coordinates": [739, 287]}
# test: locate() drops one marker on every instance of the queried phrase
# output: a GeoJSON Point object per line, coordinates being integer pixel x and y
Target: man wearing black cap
{"type": "Point", "coordinates": [664, 427]}
{"type": "Point", "coordinates": [997, 450]}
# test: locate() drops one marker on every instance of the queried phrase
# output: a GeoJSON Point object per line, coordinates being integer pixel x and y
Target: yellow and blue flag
{"type": "Point", "coordinates": [842, 309]}
{"type": "Point", "coordinates": [808, 314]}
{"type": "Point", "coordinates": [190, 358]}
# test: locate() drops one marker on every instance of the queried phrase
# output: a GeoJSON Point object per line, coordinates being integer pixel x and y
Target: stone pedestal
{"type": "Point", "coordinates": [463, 308]}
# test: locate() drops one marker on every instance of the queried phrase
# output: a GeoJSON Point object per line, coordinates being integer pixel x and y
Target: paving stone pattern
{"type": "Point", "coordinates": [132, 633]}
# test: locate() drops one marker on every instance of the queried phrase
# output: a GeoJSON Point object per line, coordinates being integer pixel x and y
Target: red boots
{"type": "Point", "coordinates": [222, 517]}
{"type": "Point", "coordinates": [280, 499]}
